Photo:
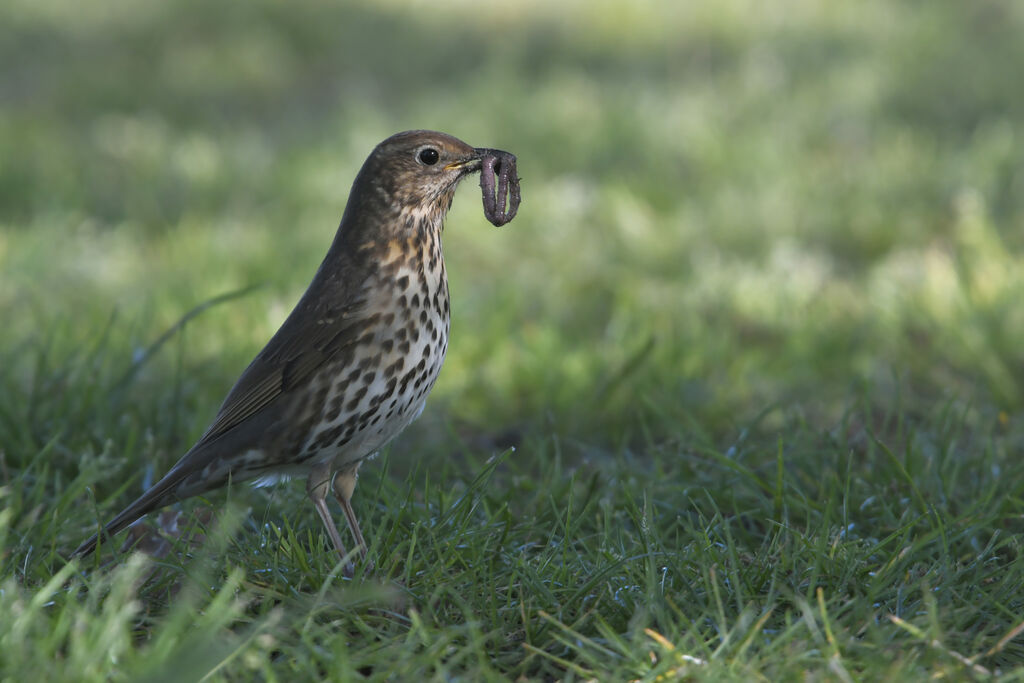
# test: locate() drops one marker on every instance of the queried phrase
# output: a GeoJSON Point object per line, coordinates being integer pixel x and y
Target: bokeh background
{"type": "Point", "coordinates": [735, 214]}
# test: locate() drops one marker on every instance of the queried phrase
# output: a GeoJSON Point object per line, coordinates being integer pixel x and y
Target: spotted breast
{"type": "Point", "coordinates": [372, 395]}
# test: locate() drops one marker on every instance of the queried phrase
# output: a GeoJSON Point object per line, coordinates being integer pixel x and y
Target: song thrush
{"type": "Point", "coordinates": [353, 363]}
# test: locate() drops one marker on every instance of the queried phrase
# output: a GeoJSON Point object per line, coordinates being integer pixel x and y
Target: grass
{"type": "Point", "coordinates": [738, 395]}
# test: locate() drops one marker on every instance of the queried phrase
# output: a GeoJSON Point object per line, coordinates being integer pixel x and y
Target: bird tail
{"type": "Point", "coordinates": [158, 496]}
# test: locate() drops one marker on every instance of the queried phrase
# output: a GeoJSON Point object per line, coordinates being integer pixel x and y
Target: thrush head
{"type": "Point", "coordinates": [409, 181]}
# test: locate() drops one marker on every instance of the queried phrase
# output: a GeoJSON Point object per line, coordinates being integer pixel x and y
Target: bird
{"type": "Point", "coordinates": [354, 361]}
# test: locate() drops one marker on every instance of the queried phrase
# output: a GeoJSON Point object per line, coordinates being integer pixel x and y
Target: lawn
{"type": "Point", "coordinates": [739, 395]}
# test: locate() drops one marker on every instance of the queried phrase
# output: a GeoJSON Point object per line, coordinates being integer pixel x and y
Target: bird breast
{"type": "Point", "coordinates": [383, 384]}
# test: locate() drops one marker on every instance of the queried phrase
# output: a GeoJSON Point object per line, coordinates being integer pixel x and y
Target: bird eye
{"type": "Point", "coordinates": [429, 156]}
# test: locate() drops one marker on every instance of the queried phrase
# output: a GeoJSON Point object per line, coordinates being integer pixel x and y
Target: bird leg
{"type": "Point", "coordinates": [344, 486]}
{"type": "Point", "coordinates": [316, 486]}
{"type": "Point", "coordinates": [496, 162]}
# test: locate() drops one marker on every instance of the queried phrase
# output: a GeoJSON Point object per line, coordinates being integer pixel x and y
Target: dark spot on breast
{"type": "Point", "coordinates": [394, 367]}
{"type": "Point", "coordinates": [406, 379]}
{"type": "Point", "coordinates": [328, 437]}
{"type": "Point", "coordinates": [369, 377]}
{"type": "Point", "coordinates": [388, 345]}
{"type": "Point", "coordinates": [351, 405]}
{"type": "Point", "coordinates": [335, 409]}
{"type": "Point", "coordinates": [403, 282]}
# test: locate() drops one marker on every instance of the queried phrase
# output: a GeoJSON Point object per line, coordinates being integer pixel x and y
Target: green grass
{"type": "Point", "coordinates": [739, 395]}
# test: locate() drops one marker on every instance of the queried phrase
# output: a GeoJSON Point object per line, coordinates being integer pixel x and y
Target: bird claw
{"type": "Point", "coordinates": [498, 167]}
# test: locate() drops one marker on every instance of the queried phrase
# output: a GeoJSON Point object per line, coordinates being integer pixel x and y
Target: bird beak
{"type": "Point", "coordinates": [467, 165]}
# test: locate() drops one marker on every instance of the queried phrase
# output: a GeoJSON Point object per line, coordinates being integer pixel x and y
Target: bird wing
{"type": "Point", "coordinates": [298, 350]}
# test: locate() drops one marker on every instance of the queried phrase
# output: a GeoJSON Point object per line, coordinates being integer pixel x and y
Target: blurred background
{"type": "Point", "coordinates": [735, 214]}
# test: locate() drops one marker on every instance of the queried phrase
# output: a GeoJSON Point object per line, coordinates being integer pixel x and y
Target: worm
{"type": "Point", "coordinates": [499, 167]}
